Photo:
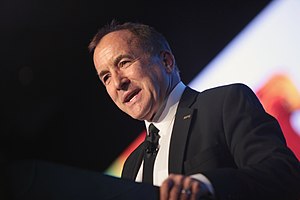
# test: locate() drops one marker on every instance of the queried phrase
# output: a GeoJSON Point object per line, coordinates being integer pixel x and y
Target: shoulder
{"type": "Point", "coordinates": [229, 94]}
{"type": "Point", "coordinates": [230, 87]}
{"type": "Point", "coordinates": [234, 90]}
{"type": "Point", "coordinates": [223, 90]}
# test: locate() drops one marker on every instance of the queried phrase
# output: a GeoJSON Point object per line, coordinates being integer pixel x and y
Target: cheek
{"type": "Point", "coordinates": [112, 94]}
{"type": "Point", "coordinates": [136, 74]}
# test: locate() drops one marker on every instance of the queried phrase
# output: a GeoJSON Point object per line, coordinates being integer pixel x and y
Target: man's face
{"type": "Point", "coordinates": [135, 81]}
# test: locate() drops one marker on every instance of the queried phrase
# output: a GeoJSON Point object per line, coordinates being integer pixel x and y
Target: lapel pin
{"type": "Point", "coordinates": [187, 116]}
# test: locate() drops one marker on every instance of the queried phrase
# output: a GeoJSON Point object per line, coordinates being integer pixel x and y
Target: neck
{"type": "Point", "coordinates": [171, 85]}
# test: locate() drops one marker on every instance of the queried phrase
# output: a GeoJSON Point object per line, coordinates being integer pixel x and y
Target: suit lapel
{"type": "Point", "coordinates": [133, 162]}
{"type": "Point", "coordinates": [180, 132]}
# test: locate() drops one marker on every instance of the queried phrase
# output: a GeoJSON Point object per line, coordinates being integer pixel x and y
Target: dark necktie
{"type": "Point", "coordinates": [150, 153]}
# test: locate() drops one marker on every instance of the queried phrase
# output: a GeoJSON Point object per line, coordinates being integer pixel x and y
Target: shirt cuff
{"type": "Point", "coordinates": [206, 182]}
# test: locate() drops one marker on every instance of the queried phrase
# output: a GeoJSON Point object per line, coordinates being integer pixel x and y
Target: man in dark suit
{"type": "Point", "coordinates": [219, 143]}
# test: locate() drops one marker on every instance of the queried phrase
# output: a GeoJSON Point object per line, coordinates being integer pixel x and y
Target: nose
{"type": "Point", "coordinates": [121, 82]}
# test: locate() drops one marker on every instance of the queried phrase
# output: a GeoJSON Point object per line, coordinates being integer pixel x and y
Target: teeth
{"type": "Point", "coordinates": [132, 98]}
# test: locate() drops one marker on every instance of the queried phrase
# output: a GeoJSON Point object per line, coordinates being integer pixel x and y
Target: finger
{"type": "Point", "coordinates": [165, 189]}
{"type": "Point", "coordinates": [196, 188]}
{"type": "Point", "coordinates": [186, 189]}
{"type": "Point", "coordinates": [175, 191]}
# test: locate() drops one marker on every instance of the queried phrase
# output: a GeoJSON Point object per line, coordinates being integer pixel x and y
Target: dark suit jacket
{"type": "Point", "coordinates": [226, 134]}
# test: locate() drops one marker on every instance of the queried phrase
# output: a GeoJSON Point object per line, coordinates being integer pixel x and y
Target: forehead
{"type": "Point", "coordinates": [113, 39]}
{"type": "Point", "coordinates": [114, 44]}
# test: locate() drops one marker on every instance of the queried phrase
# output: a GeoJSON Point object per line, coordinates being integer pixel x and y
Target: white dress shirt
{"type": "Point", "coordinates": [165, 124]}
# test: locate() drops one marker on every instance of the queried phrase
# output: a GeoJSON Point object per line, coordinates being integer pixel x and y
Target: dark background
{"type": "Point", "coordinates": [52, 105]}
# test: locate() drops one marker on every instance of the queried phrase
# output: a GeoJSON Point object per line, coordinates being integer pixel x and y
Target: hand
{"type": "Point", "coordinates": [181, 187]}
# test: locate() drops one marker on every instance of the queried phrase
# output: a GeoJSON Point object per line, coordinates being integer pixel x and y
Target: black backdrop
{"type": "Point", "coordinates": [52, 105]}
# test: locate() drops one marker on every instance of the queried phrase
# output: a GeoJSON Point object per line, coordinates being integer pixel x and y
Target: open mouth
{"type": "Point", "coordinates": [130, 97]}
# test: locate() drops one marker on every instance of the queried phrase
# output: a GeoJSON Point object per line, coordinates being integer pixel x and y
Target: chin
{"type": "Point", "coordinates": [138, 118]}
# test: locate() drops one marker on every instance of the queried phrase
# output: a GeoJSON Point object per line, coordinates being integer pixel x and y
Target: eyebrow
{"type": "Point", "coordinates": [120, 57]}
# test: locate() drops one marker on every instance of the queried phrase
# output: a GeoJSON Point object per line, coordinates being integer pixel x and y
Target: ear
{"type": "Point", "coordinates": [168, 60]}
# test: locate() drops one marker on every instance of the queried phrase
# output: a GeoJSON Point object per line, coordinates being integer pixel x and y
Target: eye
{"type": "Point", "coordinates": [105, 79]}
{"type": "Point", "coordinates": [124, 63]}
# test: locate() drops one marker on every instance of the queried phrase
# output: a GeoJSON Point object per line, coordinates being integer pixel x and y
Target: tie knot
{"type": "Point", "coordinates": [153, 134]}
{"type": "Point", "coordinates": [152, 140]}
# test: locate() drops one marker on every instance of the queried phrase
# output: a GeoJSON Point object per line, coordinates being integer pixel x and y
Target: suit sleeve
{"type": "Point", "coordinates": [267, 169]}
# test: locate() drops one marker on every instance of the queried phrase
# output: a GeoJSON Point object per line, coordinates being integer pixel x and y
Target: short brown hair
{"type": "Point", "coordinates": [147, 36]}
